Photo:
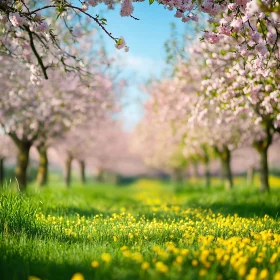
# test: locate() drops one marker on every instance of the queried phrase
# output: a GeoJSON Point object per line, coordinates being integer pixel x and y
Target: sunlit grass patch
{"type": "Point", "coordinates": [120, 234]}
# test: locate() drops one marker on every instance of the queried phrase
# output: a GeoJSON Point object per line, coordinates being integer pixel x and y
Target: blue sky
{"type": "Point", "coordinates": [146, 58]}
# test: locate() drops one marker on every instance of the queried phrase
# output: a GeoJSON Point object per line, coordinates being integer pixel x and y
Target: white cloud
{"type": "Point", "coordinates": [143, 67]}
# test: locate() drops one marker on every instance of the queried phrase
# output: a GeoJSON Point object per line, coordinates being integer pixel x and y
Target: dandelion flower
{"type": "Point", "coordinates": [95, 264]}
{"type": "Point", "coordinates": [78, 276]}
{"type": "Point", "coordinates": [106, 257]}
{"type": "Point", "coordinates": [145, 265]}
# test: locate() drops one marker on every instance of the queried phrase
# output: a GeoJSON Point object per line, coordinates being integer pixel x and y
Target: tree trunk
{"type": "Point", "coordinates": [22, 164]}
{"type": "Point", "coordinates": [177, 178]}
{"type": "Point", "coordinates": [250, 175]}
{"type": "Point", "coordinates": [264, 170]}
{"type": "Point", "coordinates": [68, 165]}
{"type": "Point", "coordinates": [222, 173]}
{"type": "Point", "coordinates": [195, 170]}
{"type": "Point", "coordinates": [82, 171]}
{"type": "Point", "coordinates": [100, 176]}
{"type": "Point", "coordinates": [207, 172]}
{"type": "Point", "coordinates": [262, 147]}
{"type": "Point", "coordinates": [226, 168]}
{"type": "Point", "coordinates": [2, 172]}
{"type": "Point", "coordinates": [42, 175]}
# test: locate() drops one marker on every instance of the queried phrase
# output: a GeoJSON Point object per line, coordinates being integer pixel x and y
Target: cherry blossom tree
{"type": "Point", "coordinates": [101, 145]}
{"type": "Point", "coordinates": [225, 113]}
{"type": "Point", "coordinates": [7, 150]}
{"type": "Point", "coordinates": [32, 28]}
{"type": "Point", "coordinates": [221, 131]}
{"type": "Point", "coordinates": [159, 139]}
{"type": "Point", "coordinates": [34, 114]}
{"type": "Point", "coordinates": [242, 89]}
{"type": "Point", "coordinates": [92, 101]}
{"type": "Point", "coordinates": [42, 33]}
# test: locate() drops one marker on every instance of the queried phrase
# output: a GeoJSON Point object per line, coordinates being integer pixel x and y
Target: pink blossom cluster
{"type": "Point", "coordinates": [126, 8]}
{"type": "Point", "coordinates": [16, 19]}
{"type": "Point", "coordinates": [42, 113]}
{"type": "Point", "coordinates": [39, 27]}
{"type": "Point", "coordinates": [252, 25]}
{"type": "Point", "coordinates": [214, 102]}
{"type": "Point", "coordinates": [121, 44]}
{"type": "Point", "coordinates": [240, 88]}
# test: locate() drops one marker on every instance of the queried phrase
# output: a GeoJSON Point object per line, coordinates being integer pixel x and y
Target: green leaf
{"type": "Point", "coordinates": [151, 2]}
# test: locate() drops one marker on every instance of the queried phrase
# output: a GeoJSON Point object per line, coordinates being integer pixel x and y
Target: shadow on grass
{"type": "Point", "coordinates": [249, 210]}
{"type": "Point", "coordinates": [245, 203]}
{"type": "Point", "coordinates": [17, 267]}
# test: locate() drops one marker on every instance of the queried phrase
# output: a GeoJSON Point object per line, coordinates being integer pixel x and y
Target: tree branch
{"type": "Point", "coordinates": [39, 59]}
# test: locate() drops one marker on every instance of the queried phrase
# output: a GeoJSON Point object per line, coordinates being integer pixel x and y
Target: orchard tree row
{"type": "Point", "coordinates": [96, 146]}
{"type": "Point", "coordinates": [234, 68]}
{"type": "Point", "coordinates": [68, 112]}
{"type": "Point", "coordinates": [216, 102]}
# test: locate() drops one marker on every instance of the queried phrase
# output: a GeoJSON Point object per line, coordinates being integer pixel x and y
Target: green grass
{"type": "Point", "coordinates": [147, 230]}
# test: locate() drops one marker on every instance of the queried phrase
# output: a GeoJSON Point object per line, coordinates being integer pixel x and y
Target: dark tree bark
{"type": "Point", "coordinates": [100, 176]}
{"type": "Point", "coordinates": [264, 171]}
{"type": "Point", "coordinates": [250, 175]}
{"type": "Point", "coordinates": [207, 173]}
{"type": "Point", "coordinates": [23, 145]}
{"type": "Point", "coordinates": [42, 175]}
{"type": "Point", "coordinates": [195, 170]}
{"type": "Point", "coordinates": [22, 164]}
{"type": "Point", "coordinates": [2, 175]}
{"type": "Point", "coordinates": [262, 147]}
{"type": "Point", "coordinates": [68, 169]}
{"type": "Point", "coordinates": [82, 171]}
{"type": "Point", "coordinates": [225, 156]}
{"type": "Point", "coordinates": [177, 178]}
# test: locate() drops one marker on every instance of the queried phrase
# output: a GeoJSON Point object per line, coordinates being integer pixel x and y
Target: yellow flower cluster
{"type": "Point", "coordinates": [173, 241]}
{"type": "Point", "coordinates": [181, 238]}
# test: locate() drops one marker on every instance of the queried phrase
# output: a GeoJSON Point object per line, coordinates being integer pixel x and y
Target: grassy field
{"type": "Point", "coordinates": [145, 230]}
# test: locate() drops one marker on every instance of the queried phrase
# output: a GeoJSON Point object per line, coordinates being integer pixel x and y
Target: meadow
{"type": "Point", "coordinates": [144, 230]}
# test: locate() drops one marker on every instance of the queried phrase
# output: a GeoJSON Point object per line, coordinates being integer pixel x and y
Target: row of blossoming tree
{"type": "Point", "coordinates": [224, 93]}
{"type": "Point", "coordinates": [236, 66]}
{"type": "Point", "coordinates": [67, 110]}
{"type": "Point", "coordinates": [63, 112]}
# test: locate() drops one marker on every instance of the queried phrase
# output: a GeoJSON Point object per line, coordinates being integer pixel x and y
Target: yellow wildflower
{"type": "Point", "coordinates": [276, 276]}
{"type": "Point", "coordinates": [123, 248]}
{"type": "Point", "coordinates": [127, 253]}
{"type": "Point", "coordinates": [242, 270]}
{"type": "Point", "coordinates": [33, 277]}
{"type": "Point", "coordinates": [106, 257]}
{"type": "Point", "coordinates": [264, 274]}
{"type": "Point", "coordinates": [95, 264]}
{"type": "Point", "coordinates": [179, 259]}
{"type": "Point", "coordinates": [251, 277]}
{"type": "Point", "coordinates": [78, 276]}
{"type": "Point", "coordinates": [137, 257]}
{"type": "Point", "coordinates": [254, 271]}
{"type": "Point", "coordinates": [145, 265]}
{"type": "Point", "coordinates": [161, 267]}
{"type": "Point", "coordinates": [202, 272]}
{"type": "Point", "coordinates": [194, 262]}
{"type": "Point", "coordinates": [184, 252]}
{"type": "Point", "coordinates": [273, 258]}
